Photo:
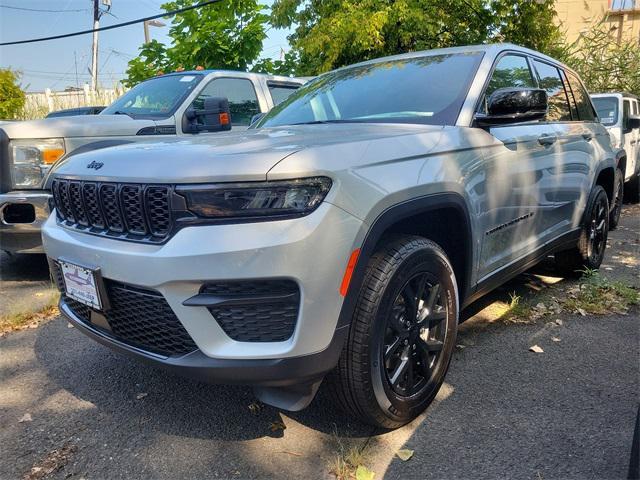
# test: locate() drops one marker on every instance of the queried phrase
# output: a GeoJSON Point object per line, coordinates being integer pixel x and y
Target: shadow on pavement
{"type": "Point", "coordinates": [23, 268]}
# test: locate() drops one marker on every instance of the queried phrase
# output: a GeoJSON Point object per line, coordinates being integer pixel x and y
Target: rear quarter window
{"type": "Point", "coordinates": [583, 102]}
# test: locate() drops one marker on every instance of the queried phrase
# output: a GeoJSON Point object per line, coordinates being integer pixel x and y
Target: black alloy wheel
{"type": "Point", "coordinates": [597, 230]}
{"type": "Point", "coordinates": [415, 335]}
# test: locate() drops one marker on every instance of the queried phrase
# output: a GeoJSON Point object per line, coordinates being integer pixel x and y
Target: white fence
{"type": "Point", "coordinates": [38, 105]}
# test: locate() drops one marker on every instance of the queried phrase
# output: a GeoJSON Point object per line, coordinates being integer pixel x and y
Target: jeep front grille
{"type": "Point", "coordinates": [121, 210]}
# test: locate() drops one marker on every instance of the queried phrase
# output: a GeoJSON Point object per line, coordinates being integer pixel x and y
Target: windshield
{"type": "Point", "coordinates": [155, 98]}
{"type": "Point", "coordinates": [428, 89]}
{"type": "Point", "coordinates": [607, 108]}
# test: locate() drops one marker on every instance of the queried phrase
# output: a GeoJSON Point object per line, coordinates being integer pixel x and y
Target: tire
{"type": "Point", "coordinates": [589, 252]}
{"type": "Point", "coordinates": [632, 189]}
{"type": "Point", "coordinates": [392, 337]}
{"type": "Point", "coordinates": [618, 196]}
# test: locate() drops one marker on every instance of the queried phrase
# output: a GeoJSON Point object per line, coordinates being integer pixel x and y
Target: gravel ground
{"type": "Point", "coordinates": [569, 412]}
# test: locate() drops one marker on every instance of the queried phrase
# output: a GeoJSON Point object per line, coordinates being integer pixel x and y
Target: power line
{"type": "Point", "coordinates": [111, 27]}
{"type": "Point", "coordinates": [44, 10]}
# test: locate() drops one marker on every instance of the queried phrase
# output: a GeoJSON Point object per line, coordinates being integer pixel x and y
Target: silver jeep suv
{"type": "Point", "coordinates": [339, 238]}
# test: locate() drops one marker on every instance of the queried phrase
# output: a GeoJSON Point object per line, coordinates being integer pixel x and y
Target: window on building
{"type": "Point", "coordinates": [622, 4]}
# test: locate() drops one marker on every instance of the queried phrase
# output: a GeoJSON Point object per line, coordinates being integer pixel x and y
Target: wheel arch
{"type": "Point", "coordinates": [409, 217]}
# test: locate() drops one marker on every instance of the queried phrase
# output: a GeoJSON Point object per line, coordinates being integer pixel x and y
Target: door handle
{"type": "Point", "coordinates": [587, 136]}
{"type": "Point", "coordinates": [547, 140]}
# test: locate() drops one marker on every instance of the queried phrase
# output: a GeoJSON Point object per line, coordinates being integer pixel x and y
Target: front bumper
{"type": "Point", "coordinates": [276, 372]}
{"type": "Point", "coordinates": [312, 251]}
{"type": "Point", "coordinates": [23, 237]}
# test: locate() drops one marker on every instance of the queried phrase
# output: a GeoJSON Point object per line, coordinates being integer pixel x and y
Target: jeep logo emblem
{"type": "Point", "coordinates": [95, 165]}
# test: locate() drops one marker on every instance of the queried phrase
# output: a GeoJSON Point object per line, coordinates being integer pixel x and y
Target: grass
{"type": "Point", "coordinates": [30, 319]}
{"type": "Point", "coordinates": [518, 310]}
{"type": "Point", "coordinates": [346, 462]}
{"type": "Point", "coordinates": [599, 296]}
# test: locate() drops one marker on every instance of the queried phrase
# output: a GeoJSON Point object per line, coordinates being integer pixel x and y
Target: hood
{"type": "Point", "coordinates": [77, 126]}
{"type": "Point", "coordinates": [240, 156]}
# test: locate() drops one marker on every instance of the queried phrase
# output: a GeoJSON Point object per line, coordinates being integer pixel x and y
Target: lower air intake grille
{"type": "Point", "coordinates": [138, 317]}
{"type": "Point", "coordinates": [270, 317]}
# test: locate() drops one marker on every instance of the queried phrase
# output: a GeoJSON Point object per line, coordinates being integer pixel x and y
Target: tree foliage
{"type": "Point", "coordinates": [12, 97]}
{"type": "Point", "coordinates": [604, 64]}
{"type": "Point", "coordinates": [225, 35]}
{"type": "Point", "coordinates": [332, 33]}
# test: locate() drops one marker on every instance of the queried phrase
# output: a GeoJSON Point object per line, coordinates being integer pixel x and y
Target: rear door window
{"type": "Point", "coordinates": [585, 109]}
{"type": "Point", "coordinates": [243, 101]}
{"type": "Point", "coordinates": [279, 91]}
{"type": "Point", "coordinates": [550, 80]}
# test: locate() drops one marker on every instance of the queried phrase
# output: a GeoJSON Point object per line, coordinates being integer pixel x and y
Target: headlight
{"type": "Point", "coordinates": [32, 158]}
{"type": "Point", "coordinates": [280, 199]}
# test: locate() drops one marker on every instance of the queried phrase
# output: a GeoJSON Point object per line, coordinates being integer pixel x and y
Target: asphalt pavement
{"type": "Point", "coordinates": [504, 411]}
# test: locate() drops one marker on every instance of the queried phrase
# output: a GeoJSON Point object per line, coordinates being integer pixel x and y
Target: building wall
{"type": "Point", "coordinates": [576, 16]}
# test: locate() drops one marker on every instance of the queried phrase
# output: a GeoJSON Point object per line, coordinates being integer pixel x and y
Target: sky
{"type": "Point", "coordinates": [52, 64]}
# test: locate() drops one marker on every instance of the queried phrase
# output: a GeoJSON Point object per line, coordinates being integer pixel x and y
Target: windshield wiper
{"type": "Point", "coordinates": [120, 112]}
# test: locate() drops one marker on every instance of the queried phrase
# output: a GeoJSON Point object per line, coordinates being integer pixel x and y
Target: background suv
{"type": "Point", "coordinates": [620, 113]}
{"type": "Point", "coordinates": [341, 237]}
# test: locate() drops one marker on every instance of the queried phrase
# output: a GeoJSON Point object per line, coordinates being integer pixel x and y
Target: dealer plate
{"type": "Point", "coordinates": [80, 283]}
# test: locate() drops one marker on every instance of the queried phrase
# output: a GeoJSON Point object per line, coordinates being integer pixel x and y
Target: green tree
{"type": "Point", "coordinates": [226, 35]}
{"type": "Point", "coordinates": [332, 33]}
{"type": "Point", "coordinates": [12, 97]}
{"type": "Point", "coordinates": [604, 64]}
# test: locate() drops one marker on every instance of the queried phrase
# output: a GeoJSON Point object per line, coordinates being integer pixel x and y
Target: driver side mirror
{"type": "Point", "coordinates": [214, 117]}
{"type": "Point", "coordinates": [514, 104]}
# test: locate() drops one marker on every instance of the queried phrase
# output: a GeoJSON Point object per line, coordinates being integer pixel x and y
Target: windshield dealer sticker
{"type": "Point", "coordinates": [187, 78]}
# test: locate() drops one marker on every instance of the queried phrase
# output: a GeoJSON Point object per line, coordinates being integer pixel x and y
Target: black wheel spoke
{"type": "Point", "coordinates": [434, 294]}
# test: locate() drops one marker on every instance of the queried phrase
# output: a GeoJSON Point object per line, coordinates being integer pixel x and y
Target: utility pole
{"type": "Point", "coordinates": [75, 61]}
{"type": "Point", "coordinates": [94, 61]}
{"type": "Point", "coordinates": [97, 13]}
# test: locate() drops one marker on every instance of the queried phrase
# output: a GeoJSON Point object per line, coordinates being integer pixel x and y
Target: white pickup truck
{"type": "Point", "coordinates": [169, 106]}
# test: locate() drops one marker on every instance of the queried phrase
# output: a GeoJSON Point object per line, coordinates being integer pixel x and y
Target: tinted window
{"type": "Point", "coordinates": [626, 112]}
{"type": "Point", "coordinates": [155, 98]}
{"type": "Point", "coordinates": [243, 102]}
{"type": "Point", "coordinates": [549, 78]}
{"type": "Point", "coordinates": [583, 103]}
{"type": "Point", "coordinates": [427, 89]}
{"type": "Point", "coordinates": [607, 108]}
{"type": "Point", "coordinates": [511, 71]}
{"type": "Point", "coordinates": [636, 107]}
{"type": "Point", "coordinates": [572, 101]}
{"type": "Point", "coordinates": [280, 92]}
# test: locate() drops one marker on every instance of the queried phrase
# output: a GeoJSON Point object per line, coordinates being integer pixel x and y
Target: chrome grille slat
{"type": "Point", "coordinates": [128, 211]}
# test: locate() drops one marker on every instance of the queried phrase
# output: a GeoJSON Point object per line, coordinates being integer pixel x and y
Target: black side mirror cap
{"type": "Point", "coordinates": [632, 123]}
{"type": "Point", "coordinates": [514, 104]}
{"type": "Point", "coordinates": [214, 117]}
